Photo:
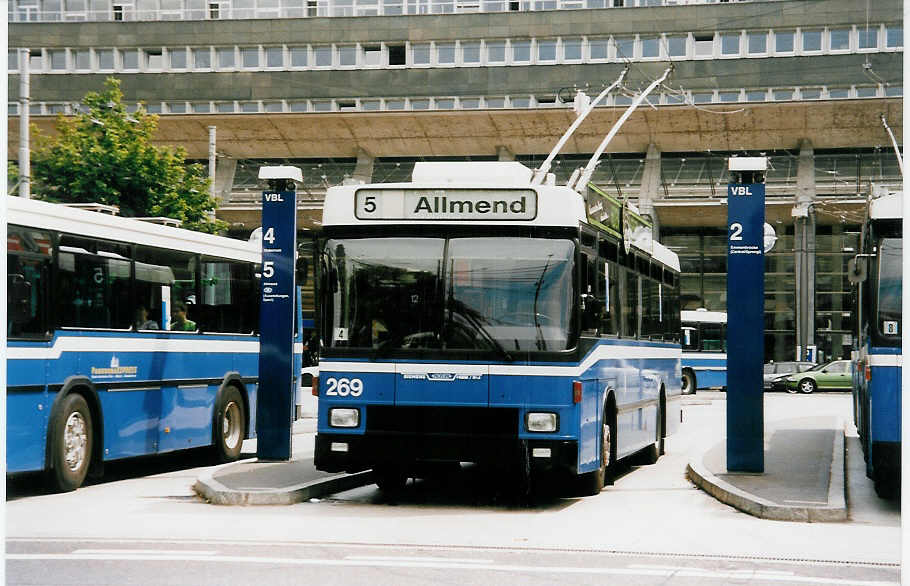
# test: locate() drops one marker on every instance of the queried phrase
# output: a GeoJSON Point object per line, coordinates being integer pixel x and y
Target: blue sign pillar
{"type": "Point", "coordinates": [745, 326]}
{"type": "Point", "coordinates": [275, 398]}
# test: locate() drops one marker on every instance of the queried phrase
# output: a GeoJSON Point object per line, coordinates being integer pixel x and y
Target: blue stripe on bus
{"type": "Point", "coordinates": [634, 381]}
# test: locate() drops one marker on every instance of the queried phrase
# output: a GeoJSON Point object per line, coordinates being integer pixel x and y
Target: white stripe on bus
{"type": "Point", "coordinates": [893, 360]}
{"type": "Point", "coordinates": [602, 352]}
{"type": "Point", "coordinates": [129, 344]}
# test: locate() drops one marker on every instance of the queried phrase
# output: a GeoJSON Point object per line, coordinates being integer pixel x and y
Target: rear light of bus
{"type": "Point", "coordinates": [315, 387]}
{"type": "Point", "coordinates": [576, 391]}
{"type": "Point", "coordinates": [867, 372]}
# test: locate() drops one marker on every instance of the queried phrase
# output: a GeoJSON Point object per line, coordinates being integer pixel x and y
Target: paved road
{"type": "Point", "coordinates": [651, 527]}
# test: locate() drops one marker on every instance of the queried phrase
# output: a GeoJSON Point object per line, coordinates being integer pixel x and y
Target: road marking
{"type": "Point", "coordinates": [462, 548]}
{"type": "Point", "coordinates": [189, 552]}
{"type": "Point", "coordinates": [724, 576]}
{"type": "Point", "coordinates": [389, 558]}
{"type": "Point", "coordinates": [687, 568]}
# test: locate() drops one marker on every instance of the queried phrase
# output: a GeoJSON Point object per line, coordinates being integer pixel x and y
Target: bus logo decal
{"type": "Point", "coordinates": [115, 370]}
{"type": "Point", "coordinates": [445, 377]}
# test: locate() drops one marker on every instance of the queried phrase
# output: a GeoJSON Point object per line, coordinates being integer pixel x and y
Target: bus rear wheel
{"type": "Point", "coordinates": [230, 425]}
{"type": "Point", "coordinates": [71, 452]}
{"type": "Point", "coordinates": [688, 382]}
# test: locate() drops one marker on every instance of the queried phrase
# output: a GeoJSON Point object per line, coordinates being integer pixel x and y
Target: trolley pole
{"type": "Point", "coordinates": [745, 318]}
{"type": "Point", "coordinates": [275, 396]}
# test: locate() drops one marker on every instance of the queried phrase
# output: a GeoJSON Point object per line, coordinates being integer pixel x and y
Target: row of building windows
{"type": "Point", "coordinates": [476, 102]}
{"type": "Point", "coordinates": [473, 53]}
{"type": "Point", "coordinates": [150, 10]}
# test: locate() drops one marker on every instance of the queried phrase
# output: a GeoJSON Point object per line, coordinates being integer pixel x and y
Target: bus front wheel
{"type": "Point", "coordinates": [593, 482]}
{"type": "Point", "coordinates": [230, 425]}
{"type": "Point", "coordinates": [71, 452]}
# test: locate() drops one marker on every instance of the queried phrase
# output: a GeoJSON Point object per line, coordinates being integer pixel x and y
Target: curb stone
{"type": "Point", "coordinates": [217, 493]}
{"type": "Point", "coordinates": [835, 510]}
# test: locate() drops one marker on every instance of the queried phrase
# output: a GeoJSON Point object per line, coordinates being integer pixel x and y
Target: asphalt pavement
{"type": "Point", "coordinates": [803, 478]}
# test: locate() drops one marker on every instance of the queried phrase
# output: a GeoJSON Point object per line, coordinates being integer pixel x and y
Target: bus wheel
{"type": "Point", "coordinates": [688, 382]}
{"type": "Point", "coordinates": [886, 485]}
{"type": "Point", "coordinates": [652, 453]}
{"type": "Point", "coordinates": [593, 482]}
{"type": "Point", "coordinates": [71, 452]}
{"type": "Point", "coordinates": [807, 385]}
{"type": "Point", "coordinates": [390, 479]}
{"type": "Point", "coordinates": [230, 425]}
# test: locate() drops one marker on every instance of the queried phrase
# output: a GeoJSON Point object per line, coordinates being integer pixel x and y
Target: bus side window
{"type": "Point", "coordinates": [590, 321]}
{"type": "Point", "coordinates": [155, 268]}
{"type": "Point", "coordinates": [631, 308]}
{"type": "Point", "coordinates": [609, 283]}
{"type": "Point", "coordinates": [94, 287]}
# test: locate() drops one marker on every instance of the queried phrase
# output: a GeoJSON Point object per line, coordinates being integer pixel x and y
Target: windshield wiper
{"type": "Point", "coordinates": [541, 342]}
{"type": "Point", "coordinates": [471, 316]}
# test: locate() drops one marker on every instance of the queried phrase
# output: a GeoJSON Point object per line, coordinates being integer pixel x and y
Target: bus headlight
{"type": "Point", "coordinates": [344, 417]}
{"type": "Point", "coordinates": [542, 422]}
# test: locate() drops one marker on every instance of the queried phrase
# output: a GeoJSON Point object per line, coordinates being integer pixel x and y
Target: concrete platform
{"type": "Point", "coordinates": [803, 478]}
{"type": "Point", "coordinates": [254, 482]}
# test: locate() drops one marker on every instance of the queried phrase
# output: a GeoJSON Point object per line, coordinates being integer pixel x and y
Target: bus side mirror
{"type": "Point", "coordinates": [591, 309]}
{"type": "Point", "coordinates": [857, 269]}
{"type": "Point", "coordinates": [19, 295]}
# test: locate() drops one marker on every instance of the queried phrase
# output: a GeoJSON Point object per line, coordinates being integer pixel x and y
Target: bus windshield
{"type": "Point", "coordinates": [496, 294]}
{"type": "Point", "coordinates": [889, 286]}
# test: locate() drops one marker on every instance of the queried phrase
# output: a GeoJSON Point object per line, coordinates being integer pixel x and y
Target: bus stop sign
{"type": "Point", "coordinates": [275, 398]}
{"type": "Point", "coordinates": [745, 326]}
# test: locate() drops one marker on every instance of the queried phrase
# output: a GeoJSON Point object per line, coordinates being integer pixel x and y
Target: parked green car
{"type": "Point", "coordinates": [836, 375]}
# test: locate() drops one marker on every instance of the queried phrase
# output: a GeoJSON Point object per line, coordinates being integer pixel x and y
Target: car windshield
{"type": "Point", "coordinates": [499, 294]}
{"type": "Point", "coordinates": [819, 366]}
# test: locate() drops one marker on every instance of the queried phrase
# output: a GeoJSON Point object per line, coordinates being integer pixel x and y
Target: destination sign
{"type": "Point", "coordinates": [445, 204]}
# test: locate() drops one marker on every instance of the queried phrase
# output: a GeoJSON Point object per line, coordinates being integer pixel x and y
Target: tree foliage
{"type": "Point", "coordinates": [104, 154]}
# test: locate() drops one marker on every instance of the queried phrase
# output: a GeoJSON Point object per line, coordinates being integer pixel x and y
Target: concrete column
{"type": "Point", "coordinates": [212, 158]}
{"type": "Point", "coordinates": [651, 187]}
{"type": "Point", "coordinates": [25, 166]}
{"type": "Point", "coordinates": [804, 248]}
{"type": "Point", "coordinates": [363, 172]}
{"type": "Point", "coordinates": [223, 183]}
{"type": "Point", "coordinates": [503, 153]}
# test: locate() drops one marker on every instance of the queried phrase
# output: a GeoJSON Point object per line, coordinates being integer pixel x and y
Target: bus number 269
{"type": "Point", "coordinates": [343, 387]}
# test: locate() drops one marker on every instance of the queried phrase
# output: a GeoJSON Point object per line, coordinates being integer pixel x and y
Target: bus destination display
{"type": "Point", "coordinates": [445, 204]}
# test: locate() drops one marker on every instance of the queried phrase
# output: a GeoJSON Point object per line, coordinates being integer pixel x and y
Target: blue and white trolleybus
{"type": "Point", "coordinates": [879, 355]}
{"type": "Point", "coordinates": [704, 349]}
{"type": "Point", "coordinates": [125, 338]}
{"type": "Point", "coordinates": [473, 315]}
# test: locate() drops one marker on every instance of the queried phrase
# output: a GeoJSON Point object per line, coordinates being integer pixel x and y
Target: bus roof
{"type": "Point", "coordinates": [32, 213]}
{"type": "Point", "coordinates": [887, 207]}
{"type": "Point", "coordinates": [703, 316]}
{"type": "Point", "coordinates": [459, 193]}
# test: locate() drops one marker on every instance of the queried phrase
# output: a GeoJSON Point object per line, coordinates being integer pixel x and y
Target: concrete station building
{"type": "Point", "coordinates": [358, 90]}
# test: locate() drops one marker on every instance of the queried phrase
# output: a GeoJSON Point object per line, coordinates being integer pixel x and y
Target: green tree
{"type": "Point", "coordinates": [12, 177]}
{"type": "Point", "coordinates": [104, 154]}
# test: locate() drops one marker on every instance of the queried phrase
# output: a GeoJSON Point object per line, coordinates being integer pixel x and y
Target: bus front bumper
{"type": "Point", "coordinates": [353, 453]}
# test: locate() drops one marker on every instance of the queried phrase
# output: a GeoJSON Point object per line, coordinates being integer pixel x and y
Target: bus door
{"type": "Point", "coordinates": [27, 300]}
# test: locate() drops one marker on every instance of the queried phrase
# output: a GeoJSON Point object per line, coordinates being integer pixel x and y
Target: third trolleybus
{"type": "Point", "coordinates": [877, 375]}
